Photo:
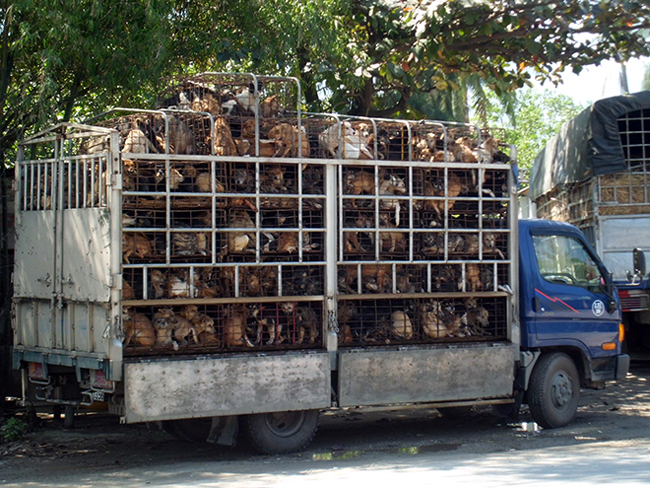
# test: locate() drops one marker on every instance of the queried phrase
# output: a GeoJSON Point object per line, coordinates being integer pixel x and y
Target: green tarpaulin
{"type": "Point", "coordinates": [588, 145]}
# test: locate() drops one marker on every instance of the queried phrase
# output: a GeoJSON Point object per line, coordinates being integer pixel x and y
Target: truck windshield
{"type": "Point", "coordinates": [565, 260]}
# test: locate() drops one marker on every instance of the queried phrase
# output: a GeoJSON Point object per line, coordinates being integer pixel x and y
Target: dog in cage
{"type": "Point", "coordinates": [138, 328]}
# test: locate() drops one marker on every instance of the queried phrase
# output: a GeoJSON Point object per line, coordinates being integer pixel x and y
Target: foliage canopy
{"type": "Point", "coordinates": [390, 58]}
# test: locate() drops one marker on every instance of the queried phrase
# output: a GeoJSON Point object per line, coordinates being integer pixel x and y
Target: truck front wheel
{"type": "Point", "coordinates": [554, 390]}
{"type": "Point", "coordinates": [281, 432]}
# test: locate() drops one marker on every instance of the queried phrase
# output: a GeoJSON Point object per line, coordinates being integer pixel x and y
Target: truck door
{"type": "Point", "coordinates": [68, 238]}
{"type": "Point", "coordinates": [570, 303]}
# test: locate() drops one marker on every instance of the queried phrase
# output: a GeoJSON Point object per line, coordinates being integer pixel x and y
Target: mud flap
{"type": "Point", "coordinates": [223, 430]}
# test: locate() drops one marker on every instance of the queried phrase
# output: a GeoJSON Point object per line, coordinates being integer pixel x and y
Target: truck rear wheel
{"type": "Point", "coordinates": [554, 390]}
{"type": "Point", "coordinates": [281, 432]}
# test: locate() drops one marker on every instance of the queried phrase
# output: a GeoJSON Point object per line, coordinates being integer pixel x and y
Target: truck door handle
{"type": "Point", "coordinates": [537, 306]}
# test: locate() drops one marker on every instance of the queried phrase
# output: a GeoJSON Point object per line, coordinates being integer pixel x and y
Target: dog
{"type": "Point", "coordinates": [397, 241]}
{"type": "Point", "coordinates": [203, 183]}
{"type": "Point", "coordinates": [224, 145]}
{"type": "Point", "coordinates": [270, 107]}
{"type": "Point", "coordinates": [181, 138]}
{"type": "Point", "coordinates": [189, 244]}
{"type": "Point", "coordinates": [239, 241]}
{"type": "Point", "coordinates": [351, 243]}
{"type": "Point", "coordinates": [430, 318]}
{"type": "Point", "coordinates": [476, 317]}
{"type": "Point", "coordinates": [401, 325]}
{"type": "Point", "coordinates": [203, 327]}
{"type": "Point", "coordinates": [157, 280]}
{"type": "Point", "coordinates": [272, 327]}
{"type": "Point", "coordinates": [473, 277]}
{"type": "Point", "coordinates": [286, 139]}
{"type": "Point", "coordinates": [305, 319]}
{"type": "Point", "coordinates": [359, 182]}
{"type": "Point", "coordinates": [489, 240]}
{"type": "Point", "coordinates": [454, 188]}
{"type": "Point", "coordinates": [138, 329]}
{"type": "Point", "coordinates": [234, 326]}
{"type": "Point", "coordinates": [272, 180]}
{"type": "Point", "coordinates": [375, 278]}
{"type": "Point", "coordinates": [487, 150]}
{"type": "Point", "coordinates": [177, 285]}
{"type": "Point", "coordinates": [127, 291]}
{"type": "Point", "coordinates": [135, 244]}
{"type": "Point", "coordinates": [163, 322]}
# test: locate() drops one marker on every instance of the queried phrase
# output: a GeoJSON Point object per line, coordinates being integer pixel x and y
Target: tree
{"type": "Point", "coordinates": [538, 116]}
{"type": "Point", "coordinates": [76, 56]}
{"type": "Point", "coordinates": [388, 58]}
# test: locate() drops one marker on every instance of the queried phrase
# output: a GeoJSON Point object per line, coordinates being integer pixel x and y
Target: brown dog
{"type": "Point", "coordinates": [234, 327]}
{"type": "Point", "coordinates": [135, 245]}
{"type": "Point", "coordinates": [286, 139]}
{"type": "Point", "coordinates": [138, 328]}
{"type": "Point", "coordinates": [163, 322]}
{"type": "Point", "coordinates": [224, 145]}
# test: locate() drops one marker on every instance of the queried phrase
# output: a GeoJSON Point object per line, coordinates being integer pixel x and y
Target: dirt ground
{"type": "Point", "coordinates": [98, 443]}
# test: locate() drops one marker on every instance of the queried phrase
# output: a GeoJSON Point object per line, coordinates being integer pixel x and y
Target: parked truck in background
{"type": "Point", "coordinates": [227, 263]}
{"type": "Point", "coordinates": [595, 174]}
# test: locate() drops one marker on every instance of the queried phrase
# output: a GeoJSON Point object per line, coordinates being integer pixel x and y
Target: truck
{"type": "Point", "coordinates": [228, 266]}
{"type": "Point", "coordinates": [594, 175]}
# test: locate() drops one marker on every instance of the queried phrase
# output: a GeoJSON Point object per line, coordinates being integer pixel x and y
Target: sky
{"type": "Point", "coordinates": [596, 82]}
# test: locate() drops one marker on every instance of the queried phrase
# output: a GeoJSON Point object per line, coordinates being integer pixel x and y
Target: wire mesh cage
{"type": "Point", "coordinates": [199, 328]}
{"type": "Point", "coordinates": [409, 321]}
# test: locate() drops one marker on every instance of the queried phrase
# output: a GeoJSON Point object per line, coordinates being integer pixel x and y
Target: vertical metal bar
{"type": "Point", "coordinates": [514, 331]}
{"type": "Point", "coordinates": [331, 273]}
{"type": "Point", "coordinates": [40, 192]}
{"type": "Point", "coordinates": [114, 203]}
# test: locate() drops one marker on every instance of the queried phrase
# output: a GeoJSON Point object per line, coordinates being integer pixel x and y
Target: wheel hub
{"type": "Point", "coordinates": [285, 424]}
{"type": "Point", "coordinates": [562, 391]}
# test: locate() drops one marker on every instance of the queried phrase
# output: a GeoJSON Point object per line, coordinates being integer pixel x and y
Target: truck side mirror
{"type": "Point", "coordinates": [638, 258]}
{"type": "Point", "coordinates": [638, 262]}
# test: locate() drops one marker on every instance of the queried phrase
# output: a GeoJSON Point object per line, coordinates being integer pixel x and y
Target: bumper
{"type": "Point", "coordinates": [622, 366]}
{"type": "Point", "coordinates": [608, 368]}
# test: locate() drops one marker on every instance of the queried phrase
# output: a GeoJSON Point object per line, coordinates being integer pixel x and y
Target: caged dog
{"type": "Point", "coordinates": [138, 329]}
{"type": "Point", "coordinates": [135, 244]}
{"type": "Point", "coordinates": [305, 319]}
{"type": "Point", "coordinates": [234, 326]}
{"type": "Point", "coordinates": [391, 240]}
{"type": "Point", "coordinates": [240, 241]}
{"type": "Point", "coordinates": [489, 241]}
{"type": "Point", "coordinates": [286, 138]}
{"type": "Point", "coordinates": [163, 322]}
{"type": "Point", "coordinates": [272, 327]}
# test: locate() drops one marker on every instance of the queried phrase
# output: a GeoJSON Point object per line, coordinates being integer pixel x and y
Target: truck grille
{"type": "Point", "coordinates": [634, 302]}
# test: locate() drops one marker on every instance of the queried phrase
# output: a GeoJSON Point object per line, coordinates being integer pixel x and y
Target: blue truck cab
{"type": "Point", "coordinates": [570, 319]}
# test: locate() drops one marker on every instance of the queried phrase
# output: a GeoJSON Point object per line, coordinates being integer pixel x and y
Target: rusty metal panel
{"type": "Point", "coordinates": [425, 375]}
{"type": "Point", "coordinates": [86, 255]}
{"type": "Point", "coordinates": [34, 258]}
{"type": "Point", "coordinates": [203, 387]}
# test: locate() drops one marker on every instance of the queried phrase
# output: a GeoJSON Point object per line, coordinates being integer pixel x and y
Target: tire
{"type": "Point", "coordinates": [554, 390]}
{"type": "Point", "coordinates": [280, 432]}
{"type": "Point", "coordinates": [455, 412]}
{"type": "Point", "coordinates": [68, 417]}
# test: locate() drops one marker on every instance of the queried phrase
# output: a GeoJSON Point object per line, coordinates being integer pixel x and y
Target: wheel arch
{"type": "Point", "coordinates": [576, 354]}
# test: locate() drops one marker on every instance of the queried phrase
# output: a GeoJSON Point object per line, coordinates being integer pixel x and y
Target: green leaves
{"type": "Point", "coordinates": [64, 57]}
